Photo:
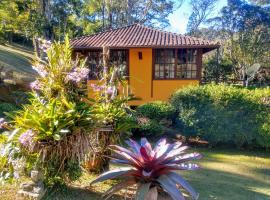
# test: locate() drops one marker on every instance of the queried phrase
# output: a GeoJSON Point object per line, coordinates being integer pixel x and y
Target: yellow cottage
{"type": "Point", "coordinates": [156, 62]}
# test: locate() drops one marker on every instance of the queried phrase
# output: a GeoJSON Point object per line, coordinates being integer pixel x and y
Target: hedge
{"type": "Point", "coordinates": [157, 110]}
{"type": "Point", "coordinates": [225, 114]}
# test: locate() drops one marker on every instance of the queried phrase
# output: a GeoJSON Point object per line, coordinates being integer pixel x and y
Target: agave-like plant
{"type": "Point", "coordinates": [151, 169]}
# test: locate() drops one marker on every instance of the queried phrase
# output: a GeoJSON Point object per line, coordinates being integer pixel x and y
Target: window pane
{"type": "Point", "coordinates": [188, 74]}
{"type": "Point", "coordinates": [119, 59]}
{"type": "Point", "coordinates": [94, 62]}
{"type": "Point", "coordinates": [164, 63]}
{"type": "Point", "coordinates": [189, 67]}
{"type": "Point", "coordinates": [184, 74]}
{"type": "Point", "coordinates": [194, 74]}
{"type": "Point", "coordinates": [192, 55]}
{"type": "Point", "coordinates": [181, 56]}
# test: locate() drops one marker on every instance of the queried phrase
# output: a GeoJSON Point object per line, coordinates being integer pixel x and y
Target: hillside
{"type": "Point", "coordinates": [15, 64]}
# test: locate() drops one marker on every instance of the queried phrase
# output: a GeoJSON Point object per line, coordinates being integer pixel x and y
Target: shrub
{"type": "Point", "coordinates": [147, 127]}
{"type": "Point", "coordinates": [157, 110]}
{"type": "Point", "coordinates": [225, 114]}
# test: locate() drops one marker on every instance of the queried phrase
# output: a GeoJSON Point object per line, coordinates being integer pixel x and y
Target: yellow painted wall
{"type": "Point", "coordinates": [140, 72]}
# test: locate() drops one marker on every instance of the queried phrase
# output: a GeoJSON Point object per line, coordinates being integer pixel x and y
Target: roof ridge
{"type": "Point", "coordinates": [156, 29]}
{"type": "Point", "coordinates": [106, 31]}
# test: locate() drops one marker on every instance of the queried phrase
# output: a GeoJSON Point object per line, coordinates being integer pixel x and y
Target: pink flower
{"type": "Point", "coordinates": [3, 123]}
{"type": "Point", "coordinates": [40, 69]}
{"type": "Point", "coordinates": [110, 90]}
{"type": "Point", "coordinates": [35, 85]}
{"type": "Point", "coordinates": [97, 88]}
{"type": "Point", "coordinates": [44, 44]}
{"type": "Point", "coordinates": [26, 138]}
{"type": "Point", "coordinates": [78, 74]}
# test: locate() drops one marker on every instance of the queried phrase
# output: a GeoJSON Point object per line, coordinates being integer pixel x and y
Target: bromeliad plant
{"type": "Point", "coordinates": [52, 131]}
{"type": "Point", "coordinates": [151, 170]}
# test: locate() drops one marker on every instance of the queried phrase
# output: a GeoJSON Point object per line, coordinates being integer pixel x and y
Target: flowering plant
{"type": "Point", "coordinates": [151, 169]}
{"type": "Point", "coordinates": [58, 73]}
{"type": "Point", "coordinates": [56, 121]}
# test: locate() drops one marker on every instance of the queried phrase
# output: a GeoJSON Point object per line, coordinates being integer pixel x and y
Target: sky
{"type": "Point", "coordinates": [179, 18]}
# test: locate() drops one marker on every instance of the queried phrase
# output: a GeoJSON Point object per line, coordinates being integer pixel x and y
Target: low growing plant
{"type": "Point", "coordinates": [151, 169]}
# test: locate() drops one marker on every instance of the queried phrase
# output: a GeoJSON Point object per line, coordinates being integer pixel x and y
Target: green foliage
{"type": "Point", "coordinates": [148, 127]}
{"type": "Point", "coordinates": [59, 117]}
{"type": "Point", "coordinates": [225, 114]}
{"type": "Point", "coordinates": [245, 28]}
{"type": "Point", "coordinates": [217, 71]}
{"type": "Point", "coordinates": [54, 19]}
{"type": "Point", "coordinates": [157, 110]}
{"type": "Point", "coordinates": [7, 107]}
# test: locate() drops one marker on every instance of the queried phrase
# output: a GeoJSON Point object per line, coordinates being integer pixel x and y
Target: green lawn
{"type": "Point", "coordinates": [17, 59]}
{"type": "Point", "coordinates": [225, 175]}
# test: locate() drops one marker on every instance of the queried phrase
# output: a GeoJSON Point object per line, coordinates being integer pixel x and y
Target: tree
{"type": "Point", "coordinates": [116, 13]}
{"type": "Point", "coordinates": [201, 10]}
{"type": "Point", "coordinates": [246, 28]}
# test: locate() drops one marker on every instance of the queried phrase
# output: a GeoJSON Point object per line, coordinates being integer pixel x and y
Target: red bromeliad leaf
{"type": "Point", "coordinates": [146, 145]}
{"type": "Point", "coordinates": [134, 146]}
{"type": "Point", "coordinates": [112, 174]}
{"type": "Point", "coordinates": [170, 187]}
{"type": "Point", "coordinates": [130, 153]}
{"type": "Point", "coordinates": [183, 166]}
{"type": "Point", "coordinates": [183, 183]}
{"type": "Point", "coordinates": [119, 161]}
{"type": "Point", "coordinates": [152, 194]}
{"type": "Point", "coordinates": [177, 152]}
{"type": "Point", "coordinates": [160, 144]}
{"type": "Point", "coordinates": [136, 163]}
{"type": "Point", "coordinates": [142, 191]}
{"type": "Point", "coordinates": [144, 154]}
{"type": "Point", "coordinates": [182, 159]}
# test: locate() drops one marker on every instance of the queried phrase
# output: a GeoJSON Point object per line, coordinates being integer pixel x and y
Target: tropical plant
{"type": "Point", "coordinates": [110, 111]}
{"type": "Point", "coordinates": [151, 169]}
{"type": "Point", "coordinates": [52, 130]}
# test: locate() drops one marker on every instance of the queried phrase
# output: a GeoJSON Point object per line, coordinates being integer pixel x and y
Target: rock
{"type": "Point", "coordinates": [32, 190]}
{"type": "Point", "coordinates": [30, 195]}
{"type": "Point", "coordinates": [36, 176]}
{"type": "Point", "coordinates": [27, 186]}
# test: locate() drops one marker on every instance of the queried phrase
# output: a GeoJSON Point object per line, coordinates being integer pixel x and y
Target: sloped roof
{"type": "Point", "coordinates": [137, 35]}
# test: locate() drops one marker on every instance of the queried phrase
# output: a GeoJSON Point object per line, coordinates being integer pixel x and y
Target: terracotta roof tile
{"type": "Point", "coordinates": [137, 35]}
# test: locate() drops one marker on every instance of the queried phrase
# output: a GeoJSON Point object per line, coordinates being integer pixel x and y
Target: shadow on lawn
{"type": "Point", "coordinates": [211, 184]}
{"type": "Point", "coordinates": [75, 193]}
{"type": "Point", "coordinates": [218, 185]}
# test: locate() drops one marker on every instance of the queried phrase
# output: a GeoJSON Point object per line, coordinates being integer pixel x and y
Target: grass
{"type": "Point", "coordinates": [18, 59]}
{"type": "Point", "coordinates": [225, 175]}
